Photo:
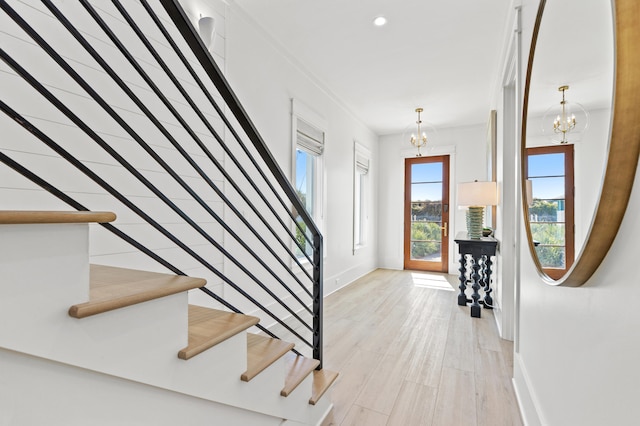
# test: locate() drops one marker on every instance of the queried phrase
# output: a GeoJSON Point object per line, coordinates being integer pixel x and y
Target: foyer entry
{"type": "Point", "coordinates": [426, 213]}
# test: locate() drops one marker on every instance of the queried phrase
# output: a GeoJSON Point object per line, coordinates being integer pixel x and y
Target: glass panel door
{"type": "Point", "coordinates": [551, 215]}
{"type": "Point", "coordinates": [426, 213]}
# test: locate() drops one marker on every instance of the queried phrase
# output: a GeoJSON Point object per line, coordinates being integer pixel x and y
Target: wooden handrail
{"type": "Point", "coordinates": [12, 217]}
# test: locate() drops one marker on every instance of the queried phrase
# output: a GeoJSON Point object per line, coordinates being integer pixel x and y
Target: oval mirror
{"type": "Point", "coordinates": [580, 133]}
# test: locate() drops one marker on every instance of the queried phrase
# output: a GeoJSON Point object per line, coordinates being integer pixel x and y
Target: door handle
{"type": "Point", "coordinates": [445, 229]}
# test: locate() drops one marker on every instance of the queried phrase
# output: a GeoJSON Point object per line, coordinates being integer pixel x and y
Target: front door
{"type": "Point", "coordinates": [551, 214]}
{"type": "Point", "coordinates": [426, 213]}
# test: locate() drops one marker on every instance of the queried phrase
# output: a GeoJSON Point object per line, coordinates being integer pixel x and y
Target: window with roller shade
{"type": "Point", "coordinates": [360, 196]}
{"type": "Point", "coordinates": [308, 175]}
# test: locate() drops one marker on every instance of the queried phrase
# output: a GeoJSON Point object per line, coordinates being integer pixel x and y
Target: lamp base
{"type": "Point", "coordinates": [475, 219]}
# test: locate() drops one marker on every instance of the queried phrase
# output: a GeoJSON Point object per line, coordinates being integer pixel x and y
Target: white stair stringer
{"type": "Point", "coordinates": [138, 343]}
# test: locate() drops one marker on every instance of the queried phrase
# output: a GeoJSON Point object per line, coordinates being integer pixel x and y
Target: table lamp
{"type": "Point", "coordinates": [476, 195]}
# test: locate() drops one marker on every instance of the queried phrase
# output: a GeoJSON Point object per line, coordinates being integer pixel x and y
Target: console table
{"type": "Point", "coordinates": [480, 252]}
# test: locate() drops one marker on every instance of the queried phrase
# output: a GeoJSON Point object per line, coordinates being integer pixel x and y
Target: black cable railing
{"type": "Point", "coordinates": [175, 113]}
{"type": "Point", "coordinates": [273, 260]}
{"type": "Point", "coordinates": [171, 139]}
{"type": "Point", "coordinates": [113, 229]}
{"type": "Point", "coordinates": [237, 138]}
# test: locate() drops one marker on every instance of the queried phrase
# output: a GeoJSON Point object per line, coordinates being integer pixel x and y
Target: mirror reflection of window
{"type": "Point", "coordinates": [605, 159]}
{"type": "Point", "coordinates": [551, 214]}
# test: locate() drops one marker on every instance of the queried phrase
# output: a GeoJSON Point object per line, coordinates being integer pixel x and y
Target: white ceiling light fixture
{"type": "Point", "coordinates": [207, 30]}
{"type": "Point", "coordinates": [379, 21]}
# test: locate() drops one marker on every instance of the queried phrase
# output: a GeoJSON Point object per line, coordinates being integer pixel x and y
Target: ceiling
{"type": "Point", "coordinates": [443, 56]}
{"type": "Point", "coordinates": [575, 50]}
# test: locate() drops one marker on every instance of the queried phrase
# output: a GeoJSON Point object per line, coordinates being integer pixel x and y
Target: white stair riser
{"type": "Point", "coordinates": [113, 342]}
{"type": "Point", "coordinates": [44, 267]}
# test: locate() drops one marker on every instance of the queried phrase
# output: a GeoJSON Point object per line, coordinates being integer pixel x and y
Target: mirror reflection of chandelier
{"type": "Point", "coordinates": [421, 139]}
{"type": "Point", "coordinates": [566, 122]}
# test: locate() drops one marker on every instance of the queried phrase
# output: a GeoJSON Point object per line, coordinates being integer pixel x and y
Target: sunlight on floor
{"type": "Point", "coordinates": [436, 282]}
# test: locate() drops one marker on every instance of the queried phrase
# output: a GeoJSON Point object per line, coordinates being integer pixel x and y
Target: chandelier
{"type": "Point", "coordinates": [569, 121]}
{"type": "Point", "coordinates": [421, 139]}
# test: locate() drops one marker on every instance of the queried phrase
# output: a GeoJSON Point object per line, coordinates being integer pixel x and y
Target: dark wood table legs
{"type": "Point", "coordinates": [487, 301]}
{"type": "Point", "coordinates": [475, 260]}
{"type": "Point", "coordinates": [462, 297]}
{"type": "Point", "coordinates": [475, 277]}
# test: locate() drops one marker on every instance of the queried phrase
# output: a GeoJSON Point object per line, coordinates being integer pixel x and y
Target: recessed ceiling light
{"type": "Point", "coordinates": [379, 21]}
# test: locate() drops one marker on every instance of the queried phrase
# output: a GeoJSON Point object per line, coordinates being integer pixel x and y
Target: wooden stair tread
{"type": "Point", "coordinates": [14, 217]}
{"type": "Point", "coordinates": [262, 352]}
{"type": "Point", "coordinates": [113, 288]}
{"type": "Point", "coordinates": [208, 327]}
{"type": "Point", "coordinates": [298, 368]}
{"type": "Point", "coordinates": [322, 380]}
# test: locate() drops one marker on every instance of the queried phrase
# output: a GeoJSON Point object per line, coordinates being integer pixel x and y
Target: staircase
{"type": "Point", "coordinates": [89, 344]}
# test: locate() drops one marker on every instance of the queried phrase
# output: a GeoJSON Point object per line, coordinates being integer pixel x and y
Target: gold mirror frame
{"type": "Point", "coordinates": [624, 146]}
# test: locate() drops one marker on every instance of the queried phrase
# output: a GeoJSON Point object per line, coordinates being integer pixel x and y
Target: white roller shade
{"type": "Point", "coordinates": [362, 163]}
{"type": "Point", "coordinates": [309, 138]}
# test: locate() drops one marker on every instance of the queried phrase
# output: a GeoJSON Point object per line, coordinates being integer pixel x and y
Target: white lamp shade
{"type": "Point", "coordinates": [207, 30]}
{"type": "Point", "coordinates": [477, 194]}
{"type": "Point", "coordinates": [529, 187]}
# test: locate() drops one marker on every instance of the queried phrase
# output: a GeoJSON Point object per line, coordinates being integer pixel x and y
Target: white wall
{"type": "Point", "coordinates": [578, 347]}
{"type": "Point", "coordinates": [265, 80]}
{"type": "Point", "coordinates": [467, 147]}
{"type": "Point", "coordinates": [17, 192]}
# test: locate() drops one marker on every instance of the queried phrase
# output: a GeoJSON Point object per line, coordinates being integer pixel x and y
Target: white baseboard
{"type": "Point", "coordinates": [527, 401]}
{"type": "Point", "coordinates": [351, 281]}
{"type": "Point", "coordinates": [497, 317]}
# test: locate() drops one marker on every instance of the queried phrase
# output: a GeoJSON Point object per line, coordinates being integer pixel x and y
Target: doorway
{"type": "Point", "coordinates": [426, 213]}
{"type": "Point", "coordinates": [551, 212]}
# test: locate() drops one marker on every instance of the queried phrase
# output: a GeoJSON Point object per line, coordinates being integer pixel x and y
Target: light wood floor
{"type": "Point", "coordinates": [409, 355]}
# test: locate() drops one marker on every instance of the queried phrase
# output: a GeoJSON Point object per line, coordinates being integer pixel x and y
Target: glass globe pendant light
{"type": "Point", "coordinates": [565, 122]}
